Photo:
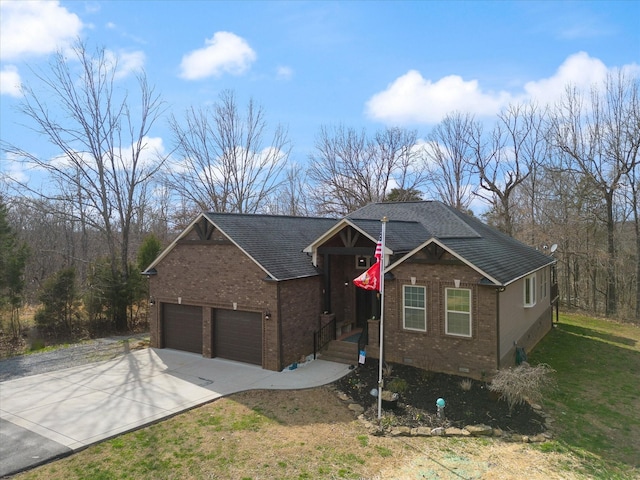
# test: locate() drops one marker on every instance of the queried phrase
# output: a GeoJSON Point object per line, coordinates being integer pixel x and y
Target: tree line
{"type": "Point", "coordinates": [565, 174]}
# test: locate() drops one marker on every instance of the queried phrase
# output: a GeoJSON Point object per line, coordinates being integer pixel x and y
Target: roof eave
{"type": "Point", "coordinates": [172, 245]}
{"type": "Point", "coordinates": [451, 252]}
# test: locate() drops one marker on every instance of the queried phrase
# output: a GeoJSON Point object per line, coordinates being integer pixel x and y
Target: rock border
{"type": "Point", "coordinates": [468, 431]}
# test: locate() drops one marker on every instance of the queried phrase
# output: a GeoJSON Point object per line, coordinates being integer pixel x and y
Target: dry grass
{"type": "Point", "coordinates": [306, 434]}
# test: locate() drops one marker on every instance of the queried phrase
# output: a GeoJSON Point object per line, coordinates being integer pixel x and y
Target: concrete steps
{"type": "Point", "coordinates": [340, 352]}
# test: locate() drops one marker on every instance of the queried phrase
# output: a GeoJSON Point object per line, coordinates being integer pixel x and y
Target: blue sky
{"type": "Point", "coordinates": [360, 64]}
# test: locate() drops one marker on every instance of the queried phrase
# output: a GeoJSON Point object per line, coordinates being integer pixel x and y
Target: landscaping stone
{"type": "Point", "coordinates": [454, 431]}
{"type": "Point", "coordinates": [400, 432]}
{"type": "Point", "coordinates": [479, 430]}
{"type": "Point", "coordinates": [357, 408]}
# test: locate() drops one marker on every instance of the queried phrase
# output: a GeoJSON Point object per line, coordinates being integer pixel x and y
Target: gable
{"type": "Point", "coordinates": [274, 243]}
{"type": "Point", "coordinates": [501, 259]}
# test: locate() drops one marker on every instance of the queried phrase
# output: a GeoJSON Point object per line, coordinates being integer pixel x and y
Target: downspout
{"type": "Point", "coordinates": [498, 290]}
{"type": "Point", "coordinates": [279, 325]}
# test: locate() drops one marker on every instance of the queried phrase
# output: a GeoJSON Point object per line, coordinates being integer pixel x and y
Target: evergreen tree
{"type": "Point", "coordinates": [13, 258]}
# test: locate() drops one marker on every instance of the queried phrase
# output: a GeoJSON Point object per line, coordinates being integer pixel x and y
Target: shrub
{"type": "Point", "coordinates": [466, 384]}
{"type": "Point", "coordinates": [522, 383]}
{"type": "Point", "coordinates": [398, 385]}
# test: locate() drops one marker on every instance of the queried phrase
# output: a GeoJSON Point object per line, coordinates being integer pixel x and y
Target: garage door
{"type": "Point", "coordinates": [238, 336]}
{"type": "Point", "coordinates": [182, 327]}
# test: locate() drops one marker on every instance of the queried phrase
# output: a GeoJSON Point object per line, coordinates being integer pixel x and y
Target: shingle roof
{"type": "Point", "coordinates": [275, 242]}
{"type": "Point", "coordinates": [437, 219]}
{"type": "Point", "coordinates": [401, 237]}
{"type": "Point", "coordinates": [503, 258]}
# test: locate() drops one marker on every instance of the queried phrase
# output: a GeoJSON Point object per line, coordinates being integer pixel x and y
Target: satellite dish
{"type": "Point", "coordinates": [554, 247]}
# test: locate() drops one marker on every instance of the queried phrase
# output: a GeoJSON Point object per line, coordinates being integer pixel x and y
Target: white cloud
{"type": "Point", "coordinates": [35, 28]}
{"type": "Point", "coordinates": [579, 70]}
{"type": "Point", "coordinates": [127, 62]}
{"type": "Point", "coordinates": [153, 148]}
{"type": "Point", "coordinates": [10, 81]}
{"type": "Point", "coordinates": [225, 53]}
{"type": "Point", "coordinates": [152, 151]}
{"type": "Point", "coordinates": [13, 169]}
{"type": "Point", "coordinates": [284, 73]}
{"type": "Point", "coordinates": [413, 99]}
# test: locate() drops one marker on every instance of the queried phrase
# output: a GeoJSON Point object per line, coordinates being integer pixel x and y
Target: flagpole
{"type": "Point", "coordinates": [381, 339]}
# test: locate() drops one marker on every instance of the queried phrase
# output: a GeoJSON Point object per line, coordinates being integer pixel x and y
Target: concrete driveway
{"type": "Point", "coordinates": [46, 416]}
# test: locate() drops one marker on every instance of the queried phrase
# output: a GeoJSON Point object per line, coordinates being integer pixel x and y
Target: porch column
{"type": "Point", "coordinates": [327, 283]}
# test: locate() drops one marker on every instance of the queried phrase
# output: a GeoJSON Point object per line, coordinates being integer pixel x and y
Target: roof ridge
{"type": "Point", "coordinates": [273, 215]}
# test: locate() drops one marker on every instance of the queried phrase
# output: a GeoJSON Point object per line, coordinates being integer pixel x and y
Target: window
{"type": "Point", "coordinates": [530, 290]}
{"type": "Point", "coordinates": [458, 315]}
{"type": "Point", "coordinates": [543, 284]}
{"type": "Point", "coordinates": [415, 312]}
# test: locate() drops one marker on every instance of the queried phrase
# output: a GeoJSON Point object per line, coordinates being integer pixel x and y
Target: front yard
{"type": "Point", "coordinates": [312, 433]}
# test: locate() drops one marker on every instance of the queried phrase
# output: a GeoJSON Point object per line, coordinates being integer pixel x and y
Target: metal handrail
{"type": "Point", "coordinates": [323, 336]}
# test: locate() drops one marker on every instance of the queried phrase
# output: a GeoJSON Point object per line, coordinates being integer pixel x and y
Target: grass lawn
{"type": "Point", "coordinates": [597, 401]}
{"type": "Point", "coordinates": [310, 434]}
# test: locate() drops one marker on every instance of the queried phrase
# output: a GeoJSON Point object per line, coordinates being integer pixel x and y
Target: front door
{"type": "Point", "coordinates": [367, 306]}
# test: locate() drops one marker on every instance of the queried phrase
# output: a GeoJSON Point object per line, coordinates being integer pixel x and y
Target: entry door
{"type": "Point", "coordinates": [367, 306]}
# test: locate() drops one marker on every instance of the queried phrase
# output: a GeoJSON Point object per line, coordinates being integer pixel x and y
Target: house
{"type": "Point", "coordinates": [459, 295]}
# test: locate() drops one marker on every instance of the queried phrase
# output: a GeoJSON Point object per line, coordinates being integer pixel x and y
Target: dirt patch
{"type": "Point", "coordinates": [466, 404]}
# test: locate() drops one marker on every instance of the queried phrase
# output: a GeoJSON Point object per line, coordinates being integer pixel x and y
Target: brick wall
{"type": "Point", "coordinates": [215, 275]}
{"type": "Point", "coordinates": [433, 349]}
{"type": "Point", "coordinates": [300, 309]}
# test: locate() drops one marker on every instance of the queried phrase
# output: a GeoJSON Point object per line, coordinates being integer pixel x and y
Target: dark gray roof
{"type": "Point", "coordinates": [275, 242]}
{"type": "Point", "coordinates": [503, 258]}
{"type": "Point", "coordinates": [437, 219]}
{"type": "Point", "coordinates": [400, 236]}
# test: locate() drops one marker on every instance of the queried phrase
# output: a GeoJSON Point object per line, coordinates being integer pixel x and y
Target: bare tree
{"type": "Point", "coordinates": [292, 196]}
{"type": "Point", "coordinates": [507, 157]}
{"type": "Point", "coordinates": [223, 162]}
{"type": "Point", "coordinates": [449, 160]}
{"type": "Point", "coordinates": [634, 193]}
{"type": "Point", "coordinates": [602, 138]}
{"type": "Point", "coordinates": [104, 160]}
{"type": "Point", "coordinates": [350, 170]}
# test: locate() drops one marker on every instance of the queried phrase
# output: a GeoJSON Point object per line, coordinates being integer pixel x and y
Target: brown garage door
{"type": "Point", "coordinates": [182, 327]}
{"type": "Point", "coordinates": [238, 336]}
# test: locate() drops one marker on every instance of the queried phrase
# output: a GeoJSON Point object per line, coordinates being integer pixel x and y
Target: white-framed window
{"type": "Point", "coordinates": [414, 301]}
{"type": "Point", "coordinates": [544, 281]}
{"type": "Point", "coordinates": [458, 314]}
{"type": "Point", "coordinates": [530, 290]}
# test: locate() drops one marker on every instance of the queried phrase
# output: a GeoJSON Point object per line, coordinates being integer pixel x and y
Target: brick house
{"type": "Point", "coordinates": [459, 295]}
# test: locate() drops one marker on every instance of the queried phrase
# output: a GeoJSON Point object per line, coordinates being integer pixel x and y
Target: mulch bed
{"type": "Point", "coordinates": [416, 406]}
